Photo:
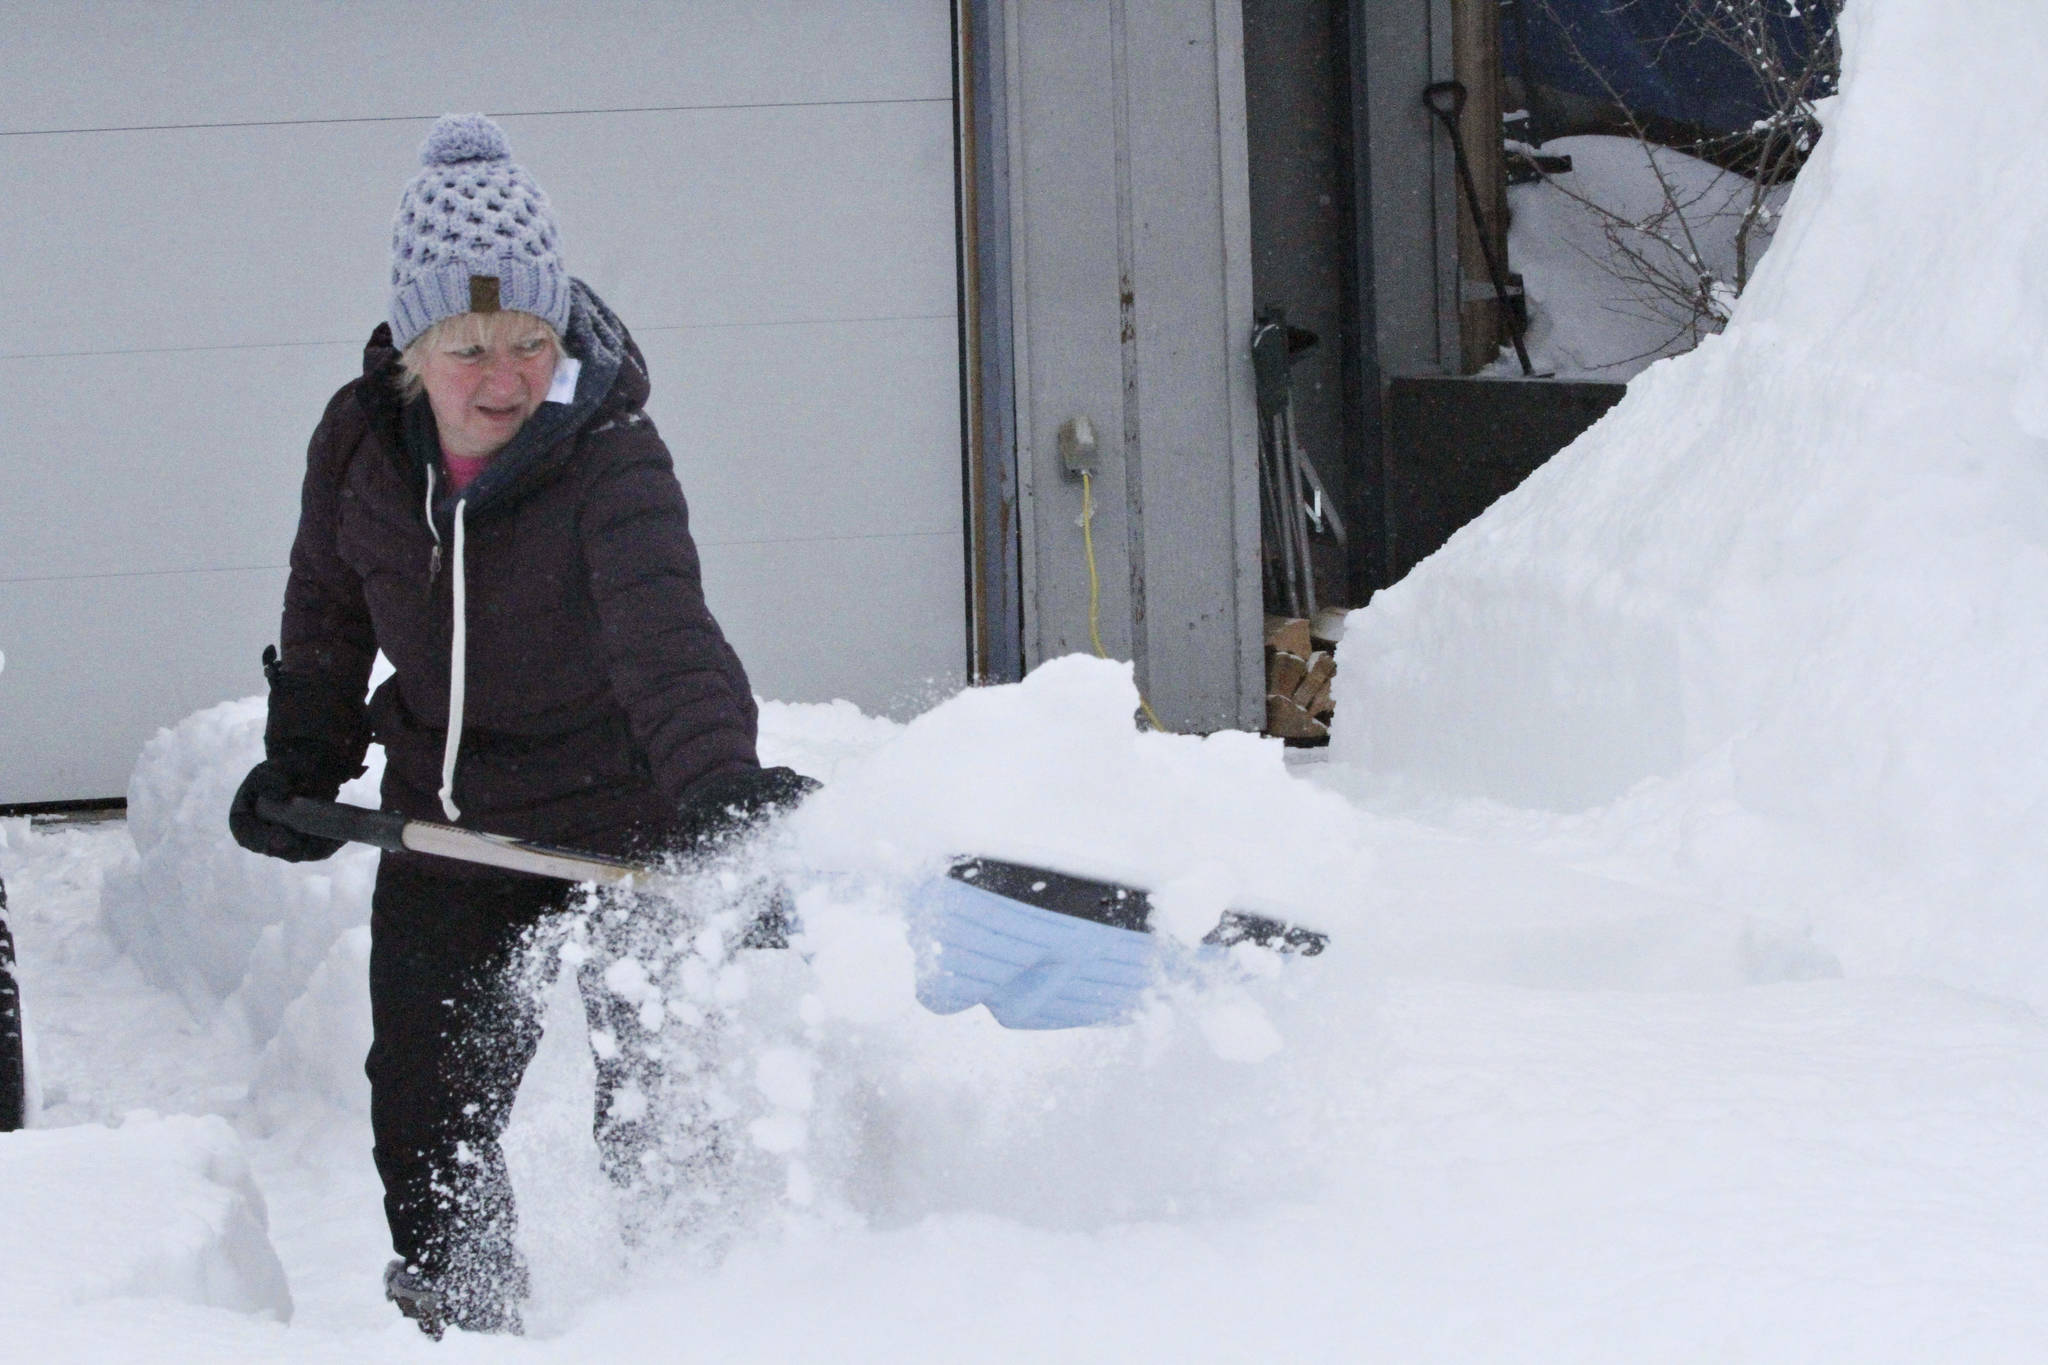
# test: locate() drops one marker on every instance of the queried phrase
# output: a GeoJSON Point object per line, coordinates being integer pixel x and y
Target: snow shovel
{"type": "Point", "coordinates": [1042, 949]}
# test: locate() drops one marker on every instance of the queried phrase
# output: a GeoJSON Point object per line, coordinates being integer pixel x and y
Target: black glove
{"type": "Point", "coordinates": [735, 801]}
{"type": "Point", "coordinates": [315, 724]}
{"type": "Point", "coordinates": [315, 737]}
{"type": "Point", "coordinates": [277, 781]}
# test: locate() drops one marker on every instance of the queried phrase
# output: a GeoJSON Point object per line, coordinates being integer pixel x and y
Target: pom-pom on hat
{"type": "Point", "coordinates": [473, 234]}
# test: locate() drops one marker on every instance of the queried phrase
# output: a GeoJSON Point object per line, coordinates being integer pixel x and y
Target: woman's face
{"type": "Point", "coordinates": [482, 389]}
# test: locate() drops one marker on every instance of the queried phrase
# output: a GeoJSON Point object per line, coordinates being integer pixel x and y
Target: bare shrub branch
{"type": "Point", "coordinates": [1791, 50]}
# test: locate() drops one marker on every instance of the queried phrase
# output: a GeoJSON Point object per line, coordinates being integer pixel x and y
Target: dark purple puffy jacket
{"type": "Point", "coordinates": [598, 686]}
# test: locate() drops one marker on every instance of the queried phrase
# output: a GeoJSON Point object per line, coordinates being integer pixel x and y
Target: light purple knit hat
{"type": "Point", "coordinates": [473, 234]}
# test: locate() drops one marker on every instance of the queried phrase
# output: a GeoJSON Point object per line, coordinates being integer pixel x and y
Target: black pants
{"type": "Point", "coordinates": [457, 969]}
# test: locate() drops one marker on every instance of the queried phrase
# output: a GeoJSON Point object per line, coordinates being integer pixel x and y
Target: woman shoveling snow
{"type": "Point", "coordinates": [489, 506]}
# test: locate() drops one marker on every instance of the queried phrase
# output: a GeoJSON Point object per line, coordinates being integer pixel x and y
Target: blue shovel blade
{"type": "Point", "coordinates": [1033, 968]}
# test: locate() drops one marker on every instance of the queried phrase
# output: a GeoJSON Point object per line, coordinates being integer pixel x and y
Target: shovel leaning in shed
{"type": "Point", "coordinates": [1041, 949]}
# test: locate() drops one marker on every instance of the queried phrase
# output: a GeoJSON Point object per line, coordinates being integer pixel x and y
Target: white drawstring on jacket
{"type": "Point", "coordinates": [458, 644]}
{"type": "Point", "coordinates": [458, 651]}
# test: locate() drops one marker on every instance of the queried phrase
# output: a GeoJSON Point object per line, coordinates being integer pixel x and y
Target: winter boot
{"type": "Point", "coordinates": [437, 1304]}
{"type": "Point", "coordinates": [415, 1298]}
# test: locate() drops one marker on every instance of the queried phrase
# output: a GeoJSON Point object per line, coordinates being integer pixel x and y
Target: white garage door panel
{"type": "Point", "coordinates": [159, 461]}
{"type": "Point", "coordinates": [274, 235]}
{"type": "Point", "coordinates": [812, 432]}
{"type": "Point", "coordinates": [113, 660]}
{"type": "Point", "coordinates": [854, 594]}
{"type": "Point", "coordinates": [153, 62]}
{"type": "Point", "coordinates": [795, 431]}
{"type": "Point", "coordinates": [755, 215]}
{"type": "Point", "coordinates": [762, 188]}
{"type": "Point", "coordinates": [207, 237]}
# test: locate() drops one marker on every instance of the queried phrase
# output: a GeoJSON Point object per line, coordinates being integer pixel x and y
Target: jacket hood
{"type": "Point", "coordinates": [613, 382]}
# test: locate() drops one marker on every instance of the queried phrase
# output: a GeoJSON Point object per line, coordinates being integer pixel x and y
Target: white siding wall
{"type": "Point", "coordinates": [196, 229]}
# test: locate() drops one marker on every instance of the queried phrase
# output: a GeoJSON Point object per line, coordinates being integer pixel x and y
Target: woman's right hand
{"type": "Point", "coordinates": [278, 782]}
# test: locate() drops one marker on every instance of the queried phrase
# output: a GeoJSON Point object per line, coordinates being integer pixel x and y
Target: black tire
{"type": "Point", "coordinates": [13, 1073]}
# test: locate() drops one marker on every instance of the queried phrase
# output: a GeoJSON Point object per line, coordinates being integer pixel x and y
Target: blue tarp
{"type": "Point", "coordinates": [1647, 60]}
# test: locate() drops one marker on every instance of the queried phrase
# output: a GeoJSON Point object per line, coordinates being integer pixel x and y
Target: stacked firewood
{"type": "Point", "coordinates": [1301, 662]}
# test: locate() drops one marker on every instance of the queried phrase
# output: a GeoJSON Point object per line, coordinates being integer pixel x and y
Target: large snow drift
{"type": "Point", "coordinates": [1790, 598]}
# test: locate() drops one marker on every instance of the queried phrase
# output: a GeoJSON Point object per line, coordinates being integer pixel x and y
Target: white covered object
{"type": "Point", "coordinates": [157, 1208]}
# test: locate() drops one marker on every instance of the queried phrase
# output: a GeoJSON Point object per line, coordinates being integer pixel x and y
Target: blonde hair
{"type": "Point", "coordinates": [506, 327]}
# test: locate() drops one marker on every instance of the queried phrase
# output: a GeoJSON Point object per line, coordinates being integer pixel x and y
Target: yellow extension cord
{"type": "Point", "coordinates": [1095, 590]}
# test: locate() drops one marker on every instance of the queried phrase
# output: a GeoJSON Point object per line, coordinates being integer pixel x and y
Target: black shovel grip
{"type": "Point", "coordinates": [336, 820]}
{"type": "Point", "coordinates": [1446, 99]}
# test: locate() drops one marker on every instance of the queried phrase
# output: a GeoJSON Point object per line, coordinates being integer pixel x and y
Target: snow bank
{"type": "Point", "coordinates": [1790, 598]}
{"type": "Point", "coordinates": [1050, 771]}
{"type": "Point", "coordinates": [849, 1104]}
{"type": "Point", "coordinates": [1221, 1096]}
{"type": "Point", "coordinates": [1053, 771]}
{"type": "Point", "coordinates": [157, 1208]}
{"type": "Point", "coordinates": [322, 1039]}
{"type": "Point", "coordinates": [287, 944]}
{"type": "Point", "coordinates": [1193, 1186]}
{"type": "Point", "coordinates": [821, 740]}
{"type": "Point", "coordinates": [1235, 1092]}
{"type": "Point", "coordinates": [201, 915]}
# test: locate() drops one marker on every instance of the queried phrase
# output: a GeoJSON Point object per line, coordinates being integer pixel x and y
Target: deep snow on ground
{"type": "Point", "coordinates": [1677, 845]}
{"type": "Point", "coordinates": [1522, 1110]}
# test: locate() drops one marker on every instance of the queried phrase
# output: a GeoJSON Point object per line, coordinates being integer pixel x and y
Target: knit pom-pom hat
{"type": "Point", "coordinates": [473, 234]}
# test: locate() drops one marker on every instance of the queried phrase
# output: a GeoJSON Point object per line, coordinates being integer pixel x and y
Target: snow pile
{"type": "Point", "coordinates": [1192, 1187]}
{"type": "Point", "coordinates": [200, 915]}
{"type": "Point", "coordinates": [322, 1038]}
{"type": "Point", "coordinates": [820, 740]}
{"type": "Point", "coordinates": [850, 1102]}
{"type": "Point", "coordinates": [852, 1106]}
{"type": "Point", "coordinates": [1053, 771]}
{"type": "Point", "coordinates": [1496, 1176]}
{"type": "Point", "coordinates": [1790, 598]}
{"type": "Point", "coordinates": [1233, 1087]}
{"type": "Point", "coordinates": [157, 1208]}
